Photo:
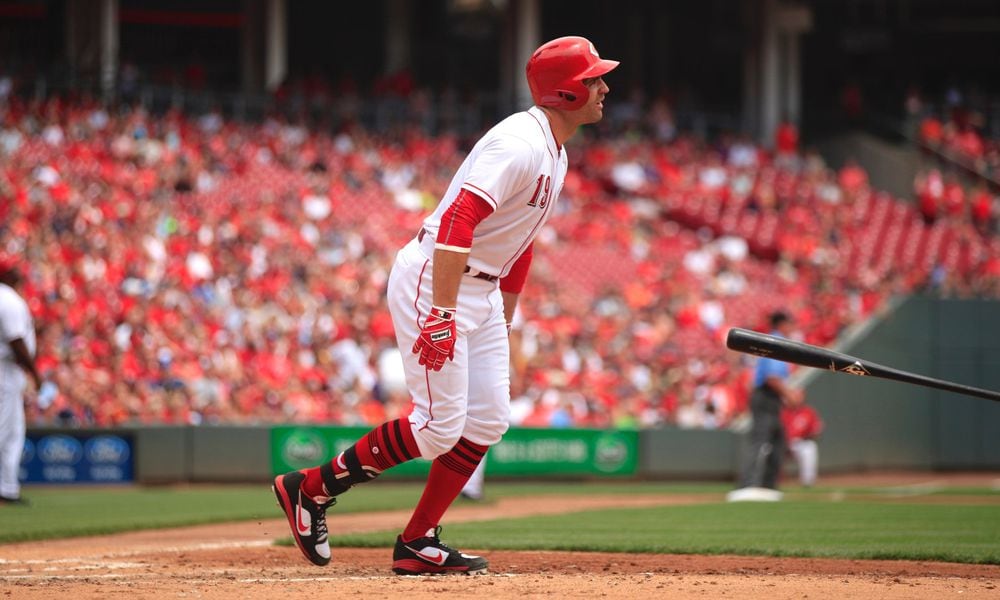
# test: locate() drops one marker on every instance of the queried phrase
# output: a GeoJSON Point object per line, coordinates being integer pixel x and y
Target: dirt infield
{"type": "Point", "coordinates": [238, 561]}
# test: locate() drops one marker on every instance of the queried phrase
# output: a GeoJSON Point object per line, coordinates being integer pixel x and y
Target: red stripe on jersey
{"type": "Point", "coordinates": [430, 399]}
{"type": "Point", "coordinates": [513, 283]}
{"type": "Point", "coordinates": [461, 218]}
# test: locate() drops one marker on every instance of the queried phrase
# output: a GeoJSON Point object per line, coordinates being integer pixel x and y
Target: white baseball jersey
{"type": "Point", "coordinates": [518, 168]}
{"type": "Point", "coordinates": [15, 322]}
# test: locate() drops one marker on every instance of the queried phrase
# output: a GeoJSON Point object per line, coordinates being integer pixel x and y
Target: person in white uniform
{"type": "Point", "coordinates": [452, 293]}
{"type": "Point", "coordinates": [17, 358]}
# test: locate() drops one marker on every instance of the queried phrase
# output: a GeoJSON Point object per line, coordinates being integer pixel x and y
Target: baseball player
{"type": "Point", "coordinates": [802, 427]}
{"type": "Point", "coordinates": [17, 357]}
{"type": "Point", "coordinates": [452, 293]}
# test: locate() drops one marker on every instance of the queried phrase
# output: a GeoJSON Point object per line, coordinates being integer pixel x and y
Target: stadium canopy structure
{"type": "Point", "coordinates": [754, 61]}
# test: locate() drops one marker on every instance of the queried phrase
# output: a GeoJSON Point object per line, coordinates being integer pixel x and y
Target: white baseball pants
{"type": "Point", "coordinates": [11, 441]}
{"type": "Point", "coordinates": [470, 396]}
{"type": "Point", "coordinates": [806, 453]}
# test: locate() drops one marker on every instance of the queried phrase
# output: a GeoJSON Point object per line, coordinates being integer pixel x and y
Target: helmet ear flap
{"type": "Point", "coordinates": [572, 95]}
{"type": "Point", "coordinates": [567, 96]}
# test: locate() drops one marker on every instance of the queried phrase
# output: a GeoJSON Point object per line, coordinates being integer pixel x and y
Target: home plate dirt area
{"type": "Point", "coordinates": [239, 561]}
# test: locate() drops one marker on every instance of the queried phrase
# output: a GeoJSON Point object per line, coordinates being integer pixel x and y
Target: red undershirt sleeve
{"type": "Point", "coordinates": [460, 220]}
{"type": "Point", "coordinates": [513, 283]}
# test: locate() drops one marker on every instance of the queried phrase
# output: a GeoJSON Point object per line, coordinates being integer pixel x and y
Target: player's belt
{"type": "Point", "coordinates": [468, 270]}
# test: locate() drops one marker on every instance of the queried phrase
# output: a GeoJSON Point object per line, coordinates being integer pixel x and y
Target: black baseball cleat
{"type": "Point", "coordinates": [306, 516]}
{"type": "Point", "coordinates": [427, 555]}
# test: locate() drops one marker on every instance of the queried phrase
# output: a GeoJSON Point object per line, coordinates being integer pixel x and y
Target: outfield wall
{"type": "Point", "coordinates": [875, 423]}
{"type": "Point", "coordinates": [870, 423]}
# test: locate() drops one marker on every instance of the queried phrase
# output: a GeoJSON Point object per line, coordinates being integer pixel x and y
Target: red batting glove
{"type": "Point", "coordinates": [436, 342]}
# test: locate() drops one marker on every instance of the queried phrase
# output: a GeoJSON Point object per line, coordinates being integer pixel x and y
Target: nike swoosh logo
{"type": "Point", "coordinates": [302, 519]}
{"type": "Point", "coordinates": [432, 555]}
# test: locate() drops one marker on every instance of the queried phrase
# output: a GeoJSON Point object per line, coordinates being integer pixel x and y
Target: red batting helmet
{"type": "Point", "coordinates": [556, 71]}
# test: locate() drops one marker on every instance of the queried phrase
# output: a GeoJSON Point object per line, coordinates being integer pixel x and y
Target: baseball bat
{"type": "Point", "coordinates": [762, 344]}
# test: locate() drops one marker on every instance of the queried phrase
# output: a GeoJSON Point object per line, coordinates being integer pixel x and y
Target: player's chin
{"type": "Point", "coordinates": [595, 114]}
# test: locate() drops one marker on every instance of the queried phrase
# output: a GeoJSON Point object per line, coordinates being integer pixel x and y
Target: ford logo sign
{"type": "Point", "coordinates": [59, 449]}
{"type": "Point", "coordinates": [106, 449]}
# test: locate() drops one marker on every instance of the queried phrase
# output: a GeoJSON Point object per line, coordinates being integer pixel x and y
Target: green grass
{"type": "Point", "coordinates": [853, 522]}
{"type": "Point", "coordinates": [953, 533]}
{"type": "Point", "coordinates": [60, 512]}
{"type": "Point", "coordinates": [68, 512]}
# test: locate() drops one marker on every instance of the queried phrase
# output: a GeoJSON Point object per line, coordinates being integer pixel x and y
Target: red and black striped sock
{"type": "Point", "coordinates": [449, 472]}
{"type": "Point", "coordinates": [386, 446]}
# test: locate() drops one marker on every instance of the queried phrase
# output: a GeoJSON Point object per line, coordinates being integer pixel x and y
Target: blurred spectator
{"type": "Point", "coordinates": [786, 144]}
{"type": "Point", "coordinates": [853, 180]}
{"type": "Point", "coordinates": [913, 108]}
{"type": "Point", "coordinates": [953, 197]}
{"type": "Point", "coordinates": [852, 101]}
{"type": "Point", "coordinates": [929, 188]}
{"type": "Point", "coordinates": [931, 131]}
{"type": "Point", "coordinates": [983, 207]}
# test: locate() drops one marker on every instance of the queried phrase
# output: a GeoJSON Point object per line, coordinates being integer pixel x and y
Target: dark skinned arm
{"type": "Point", "coordinates": [25, 360]}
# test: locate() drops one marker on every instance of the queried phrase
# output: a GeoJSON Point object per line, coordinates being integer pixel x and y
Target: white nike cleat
{"type": "Point", "coordinates": [306, 516]}
{"type": "Point", "coordinates": [428, 555]}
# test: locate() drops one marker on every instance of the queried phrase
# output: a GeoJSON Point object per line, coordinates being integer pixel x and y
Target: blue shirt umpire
{"type": "Point", "coordinates": [766, 440]}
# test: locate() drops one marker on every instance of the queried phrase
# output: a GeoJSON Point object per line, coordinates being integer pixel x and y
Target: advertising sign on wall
{"type": "Point", "coordinates": [76, 458]}
{"type": "Point", "coordinates": [523, 451]}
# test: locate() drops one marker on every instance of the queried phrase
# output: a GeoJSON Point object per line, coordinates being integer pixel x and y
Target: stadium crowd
{"type": "Point", "coordinates": [960, 127]}
{"type": "Point", "coordinates": [202, 270]}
